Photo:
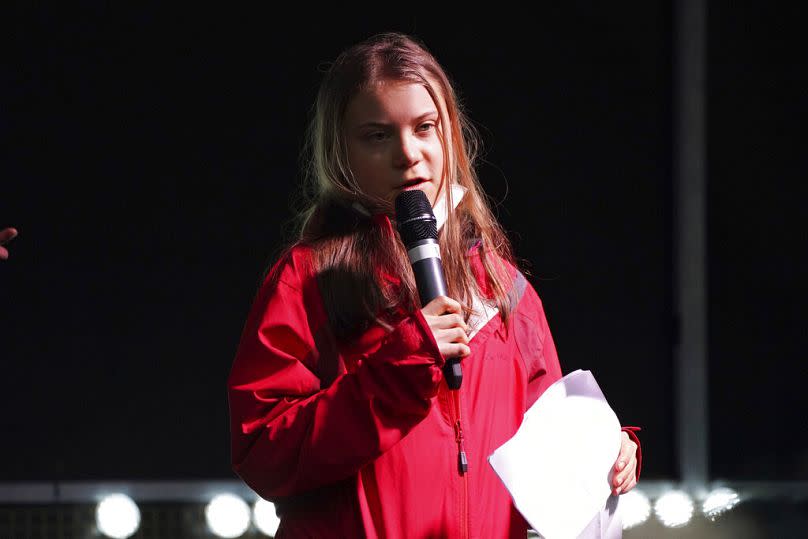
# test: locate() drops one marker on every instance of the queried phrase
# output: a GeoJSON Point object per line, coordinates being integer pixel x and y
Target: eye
{"type": "Point", "coordinates": [427, 126]}
{"type": "Point", "coordinates": [376, 136]}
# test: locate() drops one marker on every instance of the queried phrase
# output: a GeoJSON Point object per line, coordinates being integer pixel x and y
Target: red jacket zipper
{"type": "Point", "coordinates": [462, 465]}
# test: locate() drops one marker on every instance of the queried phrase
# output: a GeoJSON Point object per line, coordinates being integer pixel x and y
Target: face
{"type": "Point", "coordinates": [392, 140]}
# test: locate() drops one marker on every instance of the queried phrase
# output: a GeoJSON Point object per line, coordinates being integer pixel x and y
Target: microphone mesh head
{"type": "Point", "coordinates": [414, 217]}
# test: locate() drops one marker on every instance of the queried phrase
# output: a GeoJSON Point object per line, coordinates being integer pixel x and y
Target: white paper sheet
{"type": "Point", "coordinates": [558, 465]}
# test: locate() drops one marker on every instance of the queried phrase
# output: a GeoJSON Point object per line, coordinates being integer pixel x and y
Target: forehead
{"type": "Point", "coordinates": [389, 102]}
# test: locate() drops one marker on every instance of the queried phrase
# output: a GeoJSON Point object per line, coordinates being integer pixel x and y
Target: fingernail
{"type": "Point", "coordinates": [622, 464]}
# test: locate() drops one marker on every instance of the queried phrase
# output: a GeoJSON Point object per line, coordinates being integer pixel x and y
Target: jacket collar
{"type": "Point", "coordinates": [439, 209]}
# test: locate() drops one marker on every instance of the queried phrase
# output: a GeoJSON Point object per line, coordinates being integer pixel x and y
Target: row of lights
{"type": "Point", "coordinates": [674, 508]}
{"type": "Point", "coordinates": [228, 515]}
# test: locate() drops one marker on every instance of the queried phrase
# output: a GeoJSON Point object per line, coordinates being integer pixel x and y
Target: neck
{"type": "Point", "coordinates": [439, 209]}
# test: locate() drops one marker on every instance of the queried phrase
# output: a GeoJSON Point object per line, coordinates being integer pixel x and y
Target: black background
{"type": "Point", "coordinates": [758, 242]}
{"type": "Point", "coordinates": [152, 155]}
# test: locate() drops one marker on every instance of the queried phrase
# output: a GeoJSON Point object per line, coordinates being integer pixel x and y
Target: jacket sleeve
{"type": "Point", "coordinates": [541, 358]}
{"type": "Point", "coordinates": [535, 341]}
{"type": "Point", "coordinates": [287, 434]}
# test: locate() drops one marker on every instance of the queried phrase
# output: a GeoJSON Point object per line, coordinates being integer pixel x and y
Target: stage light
{"type": "Point", "coordinates": [674, 509]}
{"type": "Point", "coordinates": [719, 501]}
{"type": "Point", "coordinates": [227, 515]}
{"type": "Point", "coordinates": [634, 508]}
{"type": "Point", "coordinates": [265, 518]}
{"type": "Point", "coordinates": [117, 516]}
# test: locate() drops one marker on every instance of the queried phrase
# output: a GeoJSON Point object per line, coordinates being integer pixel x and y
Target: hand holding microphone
{"type": "Point", "coordinates": [444, 317]}
{"type": "Point", "coordinates": [418, 228]}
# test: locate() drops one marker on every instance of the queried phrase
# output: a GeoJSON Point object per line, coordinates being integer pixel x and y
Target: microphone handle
{"type": "Point", "coordinates": [429, 279]}
{"type": "Point", "coordinates": [431, 284]}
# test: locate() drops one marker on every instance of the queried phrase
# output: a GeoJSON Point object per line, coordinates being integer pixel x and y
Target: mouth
{"type": "Point", "coordinates": [413, 183]}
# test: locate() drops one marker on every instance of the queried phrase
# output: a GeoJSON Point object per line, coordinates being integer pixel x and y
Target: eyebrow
{"type": "Point", "coordinates": [418, 119]}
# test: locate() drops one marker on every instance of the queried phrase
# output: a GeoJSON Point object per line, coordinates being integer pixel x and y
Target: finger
{"type": "Point", "coordinates": [628, 450]}
{"type": "Point", "coordinates": [450, 305]}
{"type": "Point", "coordinates": [620, 464]}
{"type": "Point", "coordinates": [3, 253]}
{"type": "Point", "coordinates": [623, 479]}
{"type": "Point", "coordinates": [620, 477]}
{"type": "Point", "coordinates": [7, 234]}
{"type": "Point", "coordinates": [440, 305]}
{"type": "Point", "coordinates": [629, 454]}
{"type": "Point", "coordinates": [439, 323]}
{"type": "Point", "coordinates": [626, 485]}
{"type": "Point", "coordinates": [448, 350]}
{"type": "Point", "coordinates": [454, 335]}
{"type": "Point", "coordinates": [448, 321]}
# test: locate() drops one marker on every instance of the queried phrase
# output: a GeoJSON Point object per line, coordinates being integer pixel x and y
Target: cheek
{"type": "Point", "coordinates": [354, 158]}
{"type": "Point", "coordinates": [365, 168]}
{"type": "Point", "coordinates": [435, 150]}
{"type": "Point", "coordinates": [436, 161]}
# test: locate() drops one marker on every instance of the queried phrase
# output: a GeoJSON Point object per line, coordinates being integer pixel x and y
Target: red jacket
{"type": "Point", "coordinates": [363, 440]}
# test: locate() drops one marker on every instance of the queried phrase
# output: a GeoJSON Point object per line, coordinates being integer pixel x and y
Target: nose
{"type": "Point", "coordinates": [406, 153]}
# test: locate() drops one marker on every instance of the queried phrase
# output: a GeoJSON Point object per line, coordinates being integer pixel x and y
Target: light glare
{"type": "Point", "coordinates": [674, 509]}
{"type": "Point", "coordinates": [117, 516]}
{"type": "Point", "coordinates": [719, 501]}
{"type": "Point", "coordinates": [634, 508]}
{"type": "Point", "coordinates": [265, 518]}
{"type": "Point", "coordinates": [227, 515]}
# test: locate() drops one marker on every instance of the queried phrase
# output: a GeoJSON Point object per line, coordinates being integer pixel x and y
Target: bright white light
{"type": "Point", "coordinates": [265, 518]}
{"type": "Point", "coordinates": [227, 515]}
{"type": "Point", "coordinates": [719, 501]}
{"type": "Point", "coordinates": [117, 516]}
{"type": "Point", "coordinates": [674, 509]}
{"type": "Point", "coordinates": [634, 508]}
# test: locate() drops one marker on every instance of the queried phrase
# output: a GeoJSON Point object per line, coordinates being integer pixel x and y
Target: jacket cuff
{"type": "Point", "coordinates": [632, 434]}
{"type": "Point", "coordinates": [428, 336]}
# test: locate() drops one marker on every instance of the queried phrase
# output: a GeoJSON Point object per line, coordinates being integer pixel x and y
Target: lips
{"type": "Point", "coordinates": [413, 183]}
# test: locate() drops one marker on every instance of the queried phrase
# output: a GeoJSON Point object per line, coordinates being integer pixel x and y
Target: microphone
{"type": "Point", "coordinates": [418, 228]}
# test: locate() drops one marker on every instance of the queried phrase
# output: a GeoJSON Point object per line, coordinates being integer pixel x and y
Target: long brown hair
{"type": "Point", "coordinates": [352, 251]}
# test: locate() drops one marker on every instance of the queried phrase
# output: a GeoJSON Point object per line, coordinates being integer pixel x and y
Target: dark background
{"type": "Point", "coordinates": [152, 154]}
